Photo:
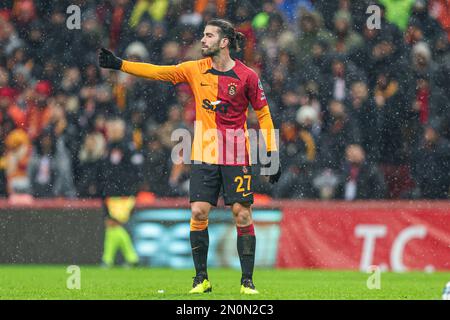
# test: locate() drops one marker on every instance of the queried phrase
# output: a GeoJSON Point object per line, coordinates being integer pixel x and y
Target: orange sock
{"type": "Point", "coordinates": [197, 225]}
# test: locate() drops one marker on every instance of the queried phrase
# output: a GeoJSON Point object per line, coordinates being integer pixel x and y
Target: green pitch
{"type": "Point", "coordinates": [50, 282]}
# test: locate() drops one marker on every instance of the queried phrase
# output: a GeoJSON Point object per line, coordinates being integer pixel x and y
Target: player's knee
{"type": "Point", "coordinates": [243, 219]}
{"type": "Point", "coordinates": [242, 215]}
{"type": "Point", "coordinates": [198, 214]}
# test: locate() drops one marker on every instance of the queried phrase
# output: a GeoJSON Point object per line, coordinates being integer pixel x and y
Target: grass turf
{"type": "Point", "coordinates": [49, 282]}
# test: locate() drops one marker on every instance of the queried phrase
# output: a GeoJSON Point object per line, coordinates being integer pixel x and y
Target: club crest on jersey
{"type": "Point", "coordinates": [244, 170]}
{"type": "Point", "coordinates": [232, 89]}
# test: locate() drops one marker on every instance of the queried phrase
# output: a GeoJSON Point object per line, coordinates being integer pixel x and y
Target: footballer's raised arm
{"type": "Point", "coordinates": [174, 73]}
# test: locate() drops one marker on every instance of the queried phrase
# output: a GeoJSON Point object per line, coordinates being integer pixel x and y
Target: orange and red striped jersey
{"type": "Point", "coordinates": [221, 107]}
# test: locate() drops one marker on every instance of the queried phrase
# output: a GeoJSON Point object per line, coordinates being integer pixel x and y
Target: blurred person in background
{"type": "Point", "coordinates": [115, 17]}
{"type": "Point", "coordinates": [11, 117]}
{"type": "Point", "coordinates": [154, 10]}
{"type": "Point", "coordinates": [66, 142]}
{"type": "Point", "coordinates": [71, 81]}
{"type": "Point", "coordinates": [298, 154]}
{"type": "Point", "coordinates": [431, 166]}
{"type": "Point", "coordinates": [90, 159]}
{"type": "Point", "coordinates": [9, 109]}
{"type": "Point", "coordinates": [312, 30]}
{"type": "Point", "coordinates": [345, 39]}
{"type": "Point", "coordinates": [440, 9]}
{"type": "Point", "coordinates": [50, 168]}
{"type": "Point", "coordinates": [38, 112]}
{"type": "Point", "coordinates": [359, 179]}
{"type": "Point", "coordinates": [156, 164]}
{"type": "Point", "coordinates": [341, 131]}
{"type": "Point", "coordinates": [119, 176]}
{"type": "Point", "coordinates": [362, 110]}
{"type": "Point", "coordinates": [392, 103]}
{"type": "Point", "coordinates": [398, 12]}
{"type": "Point", "coordinates": [17, 159]}
{"type": "Point", "coordinates": [42, 168]}
{"type": "Point", "coordinates": [9, 39]}
{"type": "Point", "coordinates": [336, 86]}
{"type": "Point", "coordinates": [431, 28]}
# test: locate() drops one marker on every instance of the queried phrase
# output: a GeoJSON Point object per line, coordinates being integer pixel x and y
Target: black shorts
{"type": "Point", "coordinates": [208, 180]}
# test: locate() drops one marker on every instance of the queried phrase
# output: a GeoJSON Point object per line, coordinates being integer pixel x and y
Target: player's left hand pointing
{"type": "Point", "coordinates": [107, 59]}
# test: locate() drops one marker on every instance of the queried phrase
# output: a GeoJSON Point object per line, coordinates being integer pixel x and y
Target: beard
{"type": "Point", "coordinates": [211, 51]}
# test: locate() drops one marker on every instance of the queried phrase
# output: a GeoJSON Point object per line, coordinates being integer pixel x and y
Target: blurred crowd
{"type": "Point", "coordinates": [363, 113]}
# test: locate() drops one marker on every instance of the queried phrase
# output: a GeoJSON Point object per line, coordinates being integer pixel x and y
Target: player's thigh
{"type": "Point", "coordinates": [237, 184]}
{"type": "Point", "coordinates": [204, 184]}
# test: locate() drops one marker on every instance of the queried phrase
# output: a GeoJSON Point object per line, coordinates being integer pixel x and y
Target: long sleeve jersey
{"type": "Point", "coordinates": [221, 105]}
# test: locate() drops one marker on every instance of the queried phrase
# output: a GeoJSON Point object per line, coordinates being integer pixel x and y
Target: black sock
{"type": "Point", "coordinates": [246, 245]}
{"type": "Point", "coordinates": [199, 245]}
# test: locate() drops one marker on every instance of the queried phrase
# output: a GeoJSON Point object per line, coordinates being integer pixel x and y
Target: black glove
{"type": "Point", "coordinates": [107, 59]}
{"type": "Point", "coordinates": [275, 177]}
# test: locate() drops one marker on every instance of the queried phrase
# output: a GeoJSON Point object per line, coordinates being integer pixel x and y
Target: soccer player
{"type": "Point", "coordinates": [223, 88]}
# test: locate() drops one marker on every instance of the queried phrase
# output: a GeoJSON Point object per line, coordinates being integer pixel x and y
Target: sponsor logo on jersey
{"type": "Point", "coordinates": [216, 106]}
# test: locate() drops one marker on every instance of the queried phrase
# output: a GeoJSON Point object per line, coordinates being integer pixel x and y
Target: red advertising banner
{"type": "Point", "coordinates": [396, 236]}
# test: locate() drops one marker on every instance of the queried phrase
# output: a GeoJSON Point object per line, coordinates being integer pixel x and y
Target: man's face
{"type": "Point", "coordinates": [355, 154]}
{"type": "Point", "coordinates": [212, 41]}
{"type": "Point", "coordinates": [359, 90]}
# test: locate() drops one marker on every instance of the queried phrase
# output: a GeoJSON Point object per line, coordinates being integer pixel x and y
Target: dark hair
{"type": "Point", "coordinates": [228, 31]}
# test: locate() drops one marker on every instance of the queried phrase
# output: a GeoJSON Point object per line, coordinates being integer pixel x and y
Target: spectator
{"type": "Point", "coordinates": [398, 12]}
{"type": "Point", "coordinates": [291, 8]}
{"type": "Point", "coordinates": [431, 28]}
{"type": "Point", "coordinates": [120, 174]}
{"type": "Point", "coordinates": [337, 85]}
{"type": "Point", "coordinates": [346, 40]}
{"type": "Point", "coordinates": [340, 132]}
{"type": "Point", "coordinates": [156, 166]}
{"type": "Point", "coordinates": [432, 165]}
{"type": "Point", "coordinates": [174, 122]}
{"type": "Point", "coordinates": [8, 109]}
{"type": "Point", "coordinates": [363, 111]}
{"type": "Point", "coordinates": [274, 39]}
{"type": "Point", "coordinates": [90, 156]}
{"type": "Point", "coordinates": [310, 25]}
{"type": "Point", "coordinates": [49, 170]}
{"type": "Point", "coordinates": [71, 81]}
{"type": "Point", "coordinates": [298, 156]}
{"type": "Point", "coordinates": [17, 158]}
{"type": "Point", "coordinates": [440, 9]}
{"type": "Point", "coordinates": [154, 9]}
{"type": "Point", "coordinates": [38, 113]}
{"type": "Point", "coordinates": [360, 180]}
{"type": "Point", "coordinates": [391, 104]}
